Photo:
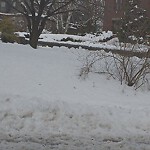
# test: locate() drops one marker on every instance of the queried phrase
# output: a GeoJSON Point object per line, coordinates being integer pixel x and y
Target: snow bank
{"type": "Point", "coordinates": [44, 103]}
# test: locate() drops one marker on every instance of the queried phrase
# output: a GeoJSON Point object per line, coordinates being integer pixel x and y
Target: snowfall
{"type": "Point", "coordinates": [46, 105]}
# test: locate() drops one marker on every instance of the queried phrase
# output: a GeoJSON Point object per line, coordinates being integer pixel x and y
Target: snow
{"type": "Point", "coordinates": [90, 40]}
{"type": "Point", "coordinates": [49, 37]}
{"type": "Point", "coordinates": [45, 105]}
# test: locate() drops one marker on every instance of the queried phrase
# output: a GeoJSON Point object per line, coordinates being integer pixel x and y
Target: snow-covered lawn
{"type": "Point", "coordinates": [45, 105]}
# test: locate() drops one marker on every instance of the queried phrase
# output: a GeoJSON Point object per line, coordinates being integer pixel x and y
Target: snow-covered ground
{"type": "Point", "coordinates": [97, 41]}
{"type": "Point", "coordinates": [46, 36]}
{"type": "Point", "coordinates": [45, 105]}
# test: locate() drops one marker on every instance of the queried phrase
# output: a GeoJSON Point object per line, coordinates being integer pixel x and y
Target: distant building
{"type": "Point", "coordinates": [6, 8]}
{"type": "Point", "coordinates": [114, 10]}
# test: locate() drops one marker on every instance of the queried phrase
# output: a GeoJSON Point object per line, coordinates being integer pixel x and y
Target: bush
{"type": "Point", "coordinates": [7, 31]}
{"type": "Point", "coordinates": [6, 26]}
{"type": "Point", "coordinates": [132, 71]}
{"type": "Point", "coordinates": [70, 39]}
{"type": "Point", "coordinates": [8, 38]}
{"type": "Point", "coordinates": [129, 70]}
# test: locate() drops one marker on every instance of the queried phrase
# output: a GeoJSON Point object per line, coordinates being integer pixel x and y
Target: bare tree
{"type": "Point", "coordinates": [92, 14]}
{"type": "Point", "coordinates": [86, 17]}
{"type": "Point", "coordinates": [37, 12]}
{"type": "Point", "coordinates": [63, 20]}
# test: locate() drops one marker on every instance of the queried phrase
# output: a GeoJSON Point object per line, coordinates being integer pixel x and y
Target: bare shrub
{"type": "Point", "coordinates": [132, 71]}
{"type": "Point", "coordinates": [89, 63]}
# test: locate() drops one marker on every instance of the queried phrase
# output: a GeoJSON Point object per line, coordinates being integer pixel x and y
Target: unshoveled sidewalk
{"type": "Point", "coordinates": [66, 142]}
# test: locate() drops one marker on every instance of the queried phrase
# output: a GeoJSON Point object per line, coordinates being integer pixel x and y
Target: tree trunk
{"type": "Point", "coordinates": [34, 39]}
{"type": "Point", "coordinates": [68, 22]}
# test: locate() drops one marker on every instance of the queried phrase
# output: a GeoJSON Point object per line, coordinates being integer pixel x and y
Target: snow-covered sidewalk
{"type": "Point", "coordinates": [45, 105]}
